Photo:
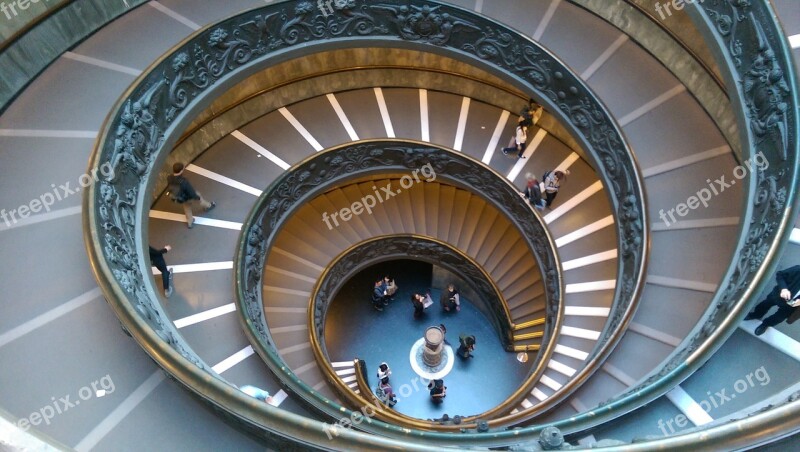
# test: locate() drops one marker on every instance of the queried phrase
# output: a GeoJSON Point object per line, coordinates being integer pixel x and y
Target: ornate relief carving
{"type": "Point", "coordinates": [766, 98]}
{"type": "Point", "coordinates": [748, 32]}
{"type": "Point", "coordinates": [337, 166]}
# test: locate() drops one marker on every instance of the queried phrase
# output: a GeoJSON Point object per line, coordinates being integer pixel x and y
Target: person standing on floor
{"type": "Point", "coordinates": [182, 192]}
{"type": "Point", "coordinates": [386, 394]}
{"type": "Point", "coordinates": [466, 346]}
{"type": "Point", "coordinates": [384, 372]}
{"type": "Point", "coordinates": [157, 260]}
{"type": "Point", "coordinates": [552, 182]}
{"type": "Point", "coordinates": [390, 287]}
{"type": "Point", "coordinates": [420, 303]}
{"type": "Point", "coordinates": [378, 294]}
{"type": "Point", "coordinates": [417, 301]}
{"type": "Point", "coordinates": [785, 295]}
{"type": "Point", "coordinates": [438, 391]}
{"type": "Point", "coordinates": [450, 299]}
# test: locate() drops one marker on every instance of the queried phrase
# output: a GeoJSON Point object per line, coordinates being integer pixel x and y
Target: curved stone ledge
{"type": "Point", "coordinates": [346, 164]}
{"type": "Point", "coordinates": [25, 57]}
{"type": "Point", "coordinates": [138, 138]}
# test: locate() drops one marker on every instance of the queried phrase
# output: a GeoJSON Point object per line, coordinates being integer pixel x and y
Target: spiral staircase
{"type": "Point", "coordinates": [672, 366]}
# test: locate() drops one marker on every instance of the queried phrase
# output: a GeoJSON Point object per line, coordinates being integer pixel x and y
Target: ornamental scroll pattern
{"type": "Point", "coordinates": [406, 248]}
{"type": "Point", "coordinates": [771, 112]}
{"type": "Point", "coordinates": [337, 166]}
{"type": "Point", "coordinates": [136, 137]}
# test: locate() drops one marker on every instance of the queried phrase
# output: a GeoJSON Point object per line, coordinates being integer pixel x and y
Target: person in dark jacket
{"type": "Point", "coordinates": [533, 192]}
{"type": "Point", "coordinates": [378, 295]}
{"type": "Point", "coordinates": [417, 300]}
{"type": "Point", "coordinates": [450, 299]}
{"type": "Point", "coordinates": [438, 391]}
{"type": "Point", "coordinates": [785, 295]}
{"type": "Point", "coordinates": [466, 346]}
{"type": "Point", "coordinates": [182, 192]}
{"type": "Point", "coordinates": [157, 260]}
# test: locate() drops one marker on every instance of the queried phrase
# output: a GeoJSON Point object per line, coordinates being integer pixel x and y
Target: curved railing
{"type": "Point", "coordinates": [757, 61]}
{"type": "Point", "coordinates": [344, 165]}
{"type": "Point", "coordinates": [670, 42]}
{"type": "Point", "coordinates": [403, 246]}
{"type": "Point", "coordinates": [392, 247]}
{"type": "Point", "coordinates": [62, 25]}
{"type": "Point", "coordinates": [137, 138]}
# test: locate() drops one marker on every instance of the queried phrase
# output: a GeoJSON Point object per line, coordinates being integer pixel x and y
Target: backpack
{"type": "Point", "coordinates": [176, 192]}
{"type": "Point", "coordinates": [544, 176]}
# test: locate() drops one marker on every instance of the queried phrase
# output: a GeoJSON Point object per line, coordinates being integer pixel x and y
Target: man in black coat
{"type": "Point", "coordinates": [785, 295]}
{"type": "Point", "coordinates": [157, 259]}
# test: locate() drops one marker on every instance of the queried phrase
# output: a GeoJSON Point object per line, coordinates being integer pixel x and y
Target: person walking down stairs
{"type": "Point", "coordinates": [157, 260]}
{"type": "Point", "coordinates": [182, 192]}
{"type": "Point", "coordinates": [520, 139]}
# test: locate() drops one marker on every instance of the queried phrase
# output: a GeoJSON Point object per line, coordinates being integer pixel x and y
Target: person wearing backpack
{"type": "Point", "coordinates": [182, 192]}
{"type": "Point", "coordinates": [552, 182]}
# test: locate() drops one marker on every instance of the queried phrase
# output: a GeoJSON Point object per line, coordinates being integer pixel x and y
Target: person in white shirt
{"type": "Point", "coordinates": [552, 182]}
{"type": "Point", "coordinates": [520, 138]}
{"type": "Point", "coordinates": [384, 372]}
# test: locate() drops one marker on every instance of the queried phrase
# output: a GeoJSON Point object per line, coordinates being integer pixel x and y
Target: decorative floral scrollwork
{"type": "Point", "coordinates": [425, 23]}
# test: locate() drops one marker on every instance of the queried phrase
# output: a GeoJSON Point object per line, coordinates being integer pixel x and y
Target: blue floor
{"type": "Point", "coordinates": [354, 329]}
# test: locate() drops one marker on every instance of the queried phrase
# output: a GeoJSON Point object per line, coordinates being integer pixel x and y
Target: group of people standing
{"type": "Point", "coordinates": [385, 288]}
{"type": "Point", "coordinates": [542, 194]}
{"type": "Point", "coordinates": [450, 300]}
{"type": "Point", "coordinates": [383, 292]}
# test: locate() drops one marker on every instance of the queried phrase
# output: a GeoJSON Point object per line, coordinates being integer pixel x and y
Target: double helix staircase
{"type": "Point", "coordinates": [46, 136]}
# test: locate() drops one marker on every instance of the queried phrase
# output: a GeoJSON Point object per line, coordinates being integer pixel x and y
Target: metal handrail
{"type": "Point", "coordinates": [154, 110]}
{"type": "Point", "coordinates": [316, 312]}
{"type": "Point", "coordinates": [352, 162]}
